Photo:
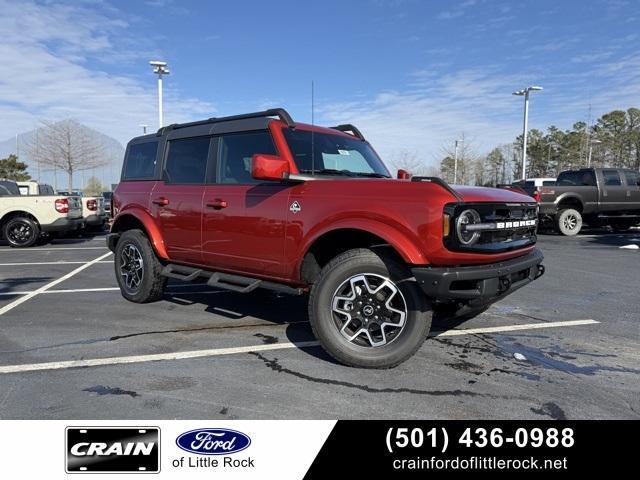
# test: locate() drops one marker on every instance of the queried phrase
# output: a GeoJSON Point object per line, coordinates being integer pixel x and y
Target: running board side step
{"type": "Point", "coordinates": [226, 281]}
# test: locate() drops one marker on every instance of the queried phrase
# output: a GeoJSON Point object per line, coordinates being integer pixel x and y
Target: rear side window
{"type": "Point", "coordinates": [141, 161]}
{"type": "Point", "coordinates": [576, 179]}
{"type": "Point", "coordinates": [633, 178]}
{"type": "Point", "coordinates": [611, 178]}
{"type": "Point", "coordinates": [548, 183]}
{"type": "Point", "coordinates": [187, 160]}
{"type": "Point", "coordinates": [236, 151]}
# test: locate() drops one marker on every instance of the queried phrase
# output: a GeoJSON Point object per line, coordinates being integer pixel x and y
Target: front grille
{"type": "Point", "coordinates": [505, 226]}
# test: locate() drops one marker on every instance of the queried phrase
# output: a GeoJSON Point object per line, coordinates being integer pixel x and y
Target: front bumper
{"type": "Point", "coordinates": [481, 284]}
{"type": "Point", "coordinates": [62, 224]}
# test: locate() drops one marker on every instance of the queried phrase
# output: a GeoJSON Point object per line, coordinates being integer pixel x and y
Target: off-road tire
{"type": "Point", "coordinates": [30, 228]}
{"type": "Point", "coordinates": [152, 285]}
{"type": "Point", "coordinates": [364, 261]}
{"type": "Point", "coordinates": [569, 222]}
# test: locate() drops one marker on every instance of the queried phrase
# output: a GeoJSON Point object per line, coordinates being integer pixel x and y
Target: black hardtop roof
{"type": "Point", "coordinates": [230, 124]}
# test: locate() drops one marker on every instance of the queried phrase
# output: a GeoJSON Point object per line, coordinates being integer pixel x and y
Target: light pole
{"type": "Point", "coordinates": [455, 161]}
{"type": "Point", "coordinates": [525, 92]}
{"type": "Point", "coordinates": [591, 142]}
{"type": "Point", "coordinates": [159, 68]}
{"type": "Point", "coordinates": [144, 128]}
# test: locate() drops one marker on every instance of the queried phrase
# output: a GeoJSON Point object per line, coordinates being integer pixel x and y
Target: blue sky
{"type": "Point", "coordinates": [413, 75]}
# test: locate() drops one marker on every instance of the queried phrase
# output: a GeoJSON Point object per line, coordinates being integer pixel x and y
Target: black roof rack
{"type": "Point", "coordinates": [273, 112]}
{"type": "Point", "coordinates": [347, 127]}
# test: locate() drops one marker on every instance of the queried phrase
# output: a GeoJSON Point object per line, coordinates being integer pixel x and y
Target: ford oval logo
{"type": "Point", "coordinates": [213, 441]}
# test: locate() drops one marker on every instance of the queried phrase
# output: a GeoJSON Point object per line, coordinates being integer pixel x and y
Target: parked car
{"type": "Point", "coordinates": [24, 218]}
{"type": "Point", "coordinates": [595, 196]}
{"type": "Point", "coordinates": [532, 186]}
{"type": "Point", "coordinates": [253, 201]}
{"type": "Point", "coordinates": [34, 188]}
{"type": "Point", "coordinates": [95, 214]}
{"type": "Point", "coordinates": [107, 202]}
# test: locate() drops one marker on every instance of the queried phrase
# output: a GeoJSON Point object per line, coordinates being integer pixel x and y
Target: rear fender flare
{"type": "Point", "coordinates": [149, 225]}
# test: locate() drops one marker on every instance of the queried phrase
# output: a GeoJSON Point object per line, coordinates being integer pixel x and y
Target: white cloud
{"type": "Point", "coordinates": [434, 111]}
{"type": "Point", "coordinates": [53, 53]}
{"type": "Point", "coordinates": [435, 107]}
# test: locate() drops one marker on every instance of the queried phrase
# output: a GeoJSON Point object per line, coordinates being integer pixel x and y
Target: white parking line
{"type": "Point", "coordinates": [60, 262]}
{"type": "Point", "coordinates": [46, 287]}
{"type": "Point", "coordinates": [512, 328]}
{"type": "Point", "coordinates": [214, 352]}
{"type": "Point", "coordinates": [13, 250]}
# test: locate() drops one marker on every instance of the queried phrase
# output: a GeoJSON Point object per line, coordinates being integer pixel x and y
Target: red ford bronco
{"type": "Point", "coordinates": [259, 201]}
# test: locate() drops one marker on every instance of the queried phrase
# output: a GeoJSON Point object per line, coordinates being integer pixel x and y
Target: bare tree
{"type": "Point", "coordinates": [466, 158]}
{"type": "Point", "coordinates": [68, 146]}
{"type": "Point", "coordinates": [410, 162]}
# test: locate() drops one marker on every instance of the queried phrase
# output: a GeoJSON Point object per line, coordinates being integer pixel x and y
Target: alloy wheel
{"type": "Point", "coordinates": [19, 233]}
{"type": "Point", "coordinates": [131, 266]}
{"type": "Point", "coordinates": [570, 222]}
{"type": "Point", "coordinates": [369, 310]}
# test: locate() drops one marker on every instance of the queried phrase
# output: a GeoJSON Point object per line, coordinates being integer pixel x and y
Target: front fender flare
{"type": "Point", "coordinates": [406, 246]}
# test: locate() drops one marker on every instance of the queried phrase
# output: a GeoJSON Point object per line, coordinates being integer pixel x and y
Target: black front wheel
{"type": "Point", "coordinates": [138, 268]}
{"type": "Point", "coordinates": [21, 232]}
{"type": "Point", "coordinates": [367, 312]}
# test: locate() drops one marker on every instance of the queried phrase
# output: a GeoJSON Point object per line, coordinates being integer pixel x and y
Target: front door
{"type": "Point", "coordinates": [244, 219]}
{"type": "Point", "coordinates": [176, 201]}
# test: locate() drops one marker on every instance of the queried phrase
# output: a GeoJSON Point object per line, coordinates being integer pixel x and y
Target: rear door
{"type": "Point", "coordinates": [176, 201]}
{"type": "Point", "coordinates": [243, 218]}
{"type": "Point", "coordinates": [632, 179]}
{"type": "Point", "coordinates": [613, 193]}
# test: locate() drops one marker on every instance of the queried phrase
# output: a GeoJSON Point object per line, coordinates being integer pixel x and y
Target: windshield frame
{"type": "Point", "coordinates": [377, 170]}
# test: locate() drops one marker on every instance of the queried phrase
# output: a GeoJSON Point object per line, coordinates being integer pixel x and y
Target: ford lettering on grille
{"type": "Point", "coordinates": [213, 441]}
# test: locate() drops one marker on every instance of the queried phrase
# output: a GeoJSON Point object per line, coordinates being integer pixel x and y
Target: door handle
{"type": "Point", "coordinates": [217, 204]}
{"type": "Point", "coordinates": [161, 201]}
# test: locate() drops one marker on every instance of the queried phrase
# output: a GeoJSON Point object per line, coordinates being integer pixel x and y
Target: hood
{"type": "Point", "coordinates": [488, 194]}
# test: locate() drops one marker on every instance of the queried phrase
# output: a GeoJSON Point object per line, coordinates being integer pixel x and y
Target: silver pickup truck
{"type": "Point", "coordinates": [595, 196]}
{"type": "Point", "coordinates": [24, 218]}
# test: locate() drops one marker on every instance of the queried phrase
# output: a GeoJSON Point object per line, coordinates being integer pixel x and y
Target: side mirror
{"type": "Point", "coordinates": [403, 175]}
{"type": "Point", "coordinates": [269, 167]}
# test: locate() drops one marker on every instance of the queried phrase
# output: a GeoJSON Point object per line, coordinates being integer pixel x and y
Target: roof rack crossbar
{"type": "Point", "coordinates": [347, 127]}
{"type": "Point", "coordinates": [281, 113]}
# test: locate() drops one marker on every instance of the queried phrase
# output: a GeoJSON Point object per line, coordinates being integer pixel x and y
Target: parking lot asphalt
{"type": "Point", "coordinates": [566, 346]}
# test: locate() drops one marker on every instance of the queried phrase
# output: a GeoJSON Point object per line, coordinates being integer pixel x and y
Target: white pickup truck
{"type": "Point", "coordinates": [23, 218]}
{"type": "Point", "coordinates": [93, 208]}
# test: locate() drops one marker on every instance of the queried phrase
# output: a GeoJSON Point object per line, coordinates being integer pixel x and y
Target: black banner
{"type": "Point", "coordinates": [399, 449]}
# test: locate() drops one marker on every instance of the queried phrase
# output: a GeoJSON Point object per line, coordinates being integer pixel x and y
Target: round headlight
{"type": "Point", "coordinates": [468, 217]}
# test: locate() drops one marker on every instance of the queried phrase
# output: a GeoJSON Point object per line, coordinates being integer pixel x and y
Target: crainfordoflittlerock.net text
{"type": "Point", "coordinates": [480, 463]}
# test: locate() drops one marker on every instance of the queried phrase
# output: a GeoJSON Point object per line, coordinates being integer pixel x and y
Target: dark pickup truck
{"type": "Point", "coordinates": [596, 196]}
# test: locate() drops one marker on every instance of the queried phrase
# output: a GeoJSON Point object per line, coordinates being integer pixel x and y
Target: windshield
{"type": "Point", "coordinates": [333, 154]}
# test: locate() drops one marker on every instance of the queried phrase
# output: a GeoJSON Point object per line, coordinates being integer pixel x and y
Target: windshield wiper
{"type": "Point", "coordinates": [371, 174]}
{"type": "Point", "coordinates": [329, 171]}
